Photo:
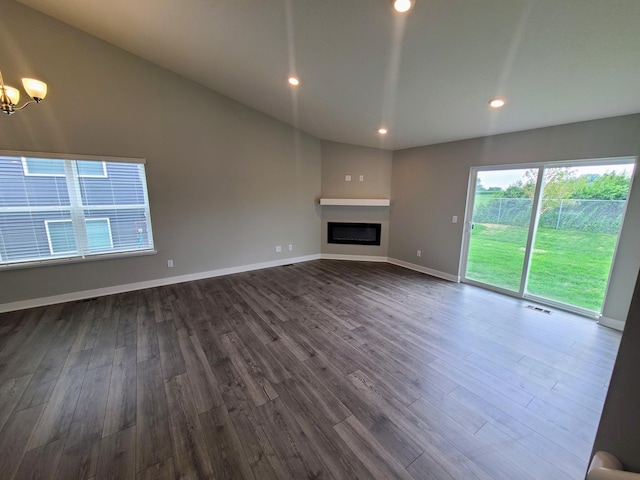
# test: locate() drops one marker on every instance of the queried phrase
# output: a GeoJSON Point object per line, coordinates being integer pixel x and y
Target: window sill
{"type": "Point", "coordinates": [70, 260]}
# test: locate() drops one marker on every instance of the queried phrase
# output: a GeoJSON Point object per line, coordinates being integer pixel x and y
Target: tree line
{"type": "Point", "coordinates": [562, 206]}
{"type": "Point", "coordinates": [564, 183]}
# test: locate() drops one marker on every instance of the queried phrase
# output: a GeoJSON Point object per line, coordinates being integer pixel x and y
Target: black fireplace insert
{"type": "Point", "coordinates": [354, 233]}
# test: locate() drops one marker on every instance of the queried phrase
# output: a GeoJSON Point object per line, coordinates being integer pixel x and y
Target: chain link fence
{"type": "Point", "coordinates": [601, 216]}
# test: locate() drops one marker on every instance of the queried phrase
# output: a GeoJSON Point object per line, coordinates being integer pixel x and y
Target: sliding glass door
{"type": "Point", "coordinates": [499, 228]}
{"type": "Point", "coordinates": [548, 232]}
{"type": "Point", "coordinates": [579, 219]}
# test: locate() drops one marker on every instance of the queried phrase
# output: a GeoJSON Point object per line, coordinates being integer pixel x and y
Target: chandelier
{"type": "Point", "coordinates": [9, 96]}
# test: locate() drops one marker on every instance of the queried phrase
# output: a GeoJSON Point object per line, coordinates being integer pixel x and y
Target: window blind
{"type": "Point", "coordinates": [52, 208]}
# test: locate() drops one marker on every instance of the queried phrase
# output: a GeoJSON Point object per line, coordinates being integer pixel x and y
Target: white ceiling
{"type": "Point", "coordinates": [426, 75]}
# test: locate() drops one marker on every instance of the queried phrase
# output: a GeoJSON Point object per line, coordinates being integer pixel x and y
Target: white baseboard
{"type": "Point", "coordinates": [611, 323]}
{"type": "Point", "coordinates": [353, 258]}
{"type": "Point", "coordinates": [428, 271]}
{"type": "Point", "coordinates": [129, 287]}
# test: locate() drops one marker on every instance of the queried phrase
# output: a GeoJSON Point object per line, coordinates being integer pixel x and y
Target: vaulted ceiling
{"type": "Point", "coordinates": [426, 75]}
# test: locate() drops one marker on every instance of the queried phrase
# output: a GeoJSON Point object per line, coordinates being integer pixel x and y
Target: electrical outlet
{"type": "Point", "coordinates": [362, 178]}
{"type": "Point", "coordinates": [419, 253]}
{"type": "Point", "coordinates": [347, 178]}
{"type": "Point", "coordinates": [278, 248]}
{"type": "Point", "coordinates": [290, 248]}
{"type": "Point", "coordinates": [454, 219]}
{"type": "Point", "coordinates": [170, 263]}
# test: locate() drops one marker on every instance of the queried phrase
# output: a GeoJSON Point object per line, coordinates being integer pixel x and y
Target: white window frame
{"type": "Point", "coordinates": [73, 185]}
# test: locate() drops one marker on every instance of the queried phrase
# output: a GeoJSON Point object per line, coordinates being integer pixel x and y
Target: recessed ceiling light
{"type": "Point", "coordinates": [496, 102]}
{"type": "Point", "coordinates": [402, 5]}
{"type": "Point", "coordinates": [294, 81]}
{"type": "Point", "coordinates": [382, 131]}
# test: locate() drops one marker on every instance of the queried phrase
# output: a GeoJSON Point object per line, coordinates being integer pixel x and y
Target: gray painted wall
{"type": "Point", "coordinates": [429, 185]}
{"type": "Point", "coordinates": [226, 183]}
{"type": "Point", "coordinates": [619, 429]}
{"type": "Point", "coordinates": [339, 160]}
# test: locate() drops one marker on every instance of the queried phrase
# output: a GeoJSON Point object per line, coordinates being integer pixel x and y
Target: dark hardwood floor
{"type": "Point", "coordinates": [318, 370]}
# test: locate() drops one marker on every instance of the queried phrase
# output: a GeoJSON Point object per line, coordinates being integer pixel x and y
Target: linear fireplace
{"type": "Point", "coordinates": [354, 233]}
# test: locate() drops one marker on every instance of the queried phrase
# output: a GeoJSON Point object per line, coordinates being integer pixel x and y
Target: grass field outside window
{"type": "Point", "coordinates": [567, 266]}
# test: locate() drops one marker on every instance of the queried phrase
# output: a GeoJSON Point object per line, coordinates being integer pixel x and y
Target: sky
{"type": "Point", "coordinates": [504, 178]}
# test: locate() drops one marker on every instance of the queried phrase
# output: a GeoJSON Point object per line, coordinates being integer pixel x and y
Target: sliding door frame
{"type": "Point", "coordinates": [468, 225]}
{"type": "Point", "coordinates": [533, 225]}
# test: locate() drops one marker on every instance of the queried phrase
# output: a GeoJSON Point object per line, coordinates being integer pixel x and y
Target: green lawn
{"type": "Point", "coordinates": [567, 266]}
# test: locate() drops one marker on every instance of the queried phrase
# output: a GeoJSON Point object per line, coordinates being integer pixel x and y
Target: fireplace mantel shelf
{"type": "Point", "coordinates": [356, 202]}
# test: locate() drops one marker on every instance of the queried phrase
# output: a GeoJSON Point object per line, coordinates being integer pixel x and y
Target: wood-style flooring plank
{"type": "Point", "coordinates": [152, 433]}
{"type": "Point", "coordinates": [553, 448]}
{"type": "Point", "coordinates": [48, 370]}
{"type": "Point", "coordinates": [291, 445]}
{"type": "Point", "coordinates": [191, 459]}
{"type": "Point", "coordinates": [426, 468]}
{"type": "Point", "coordinates": [121, 405]}
{"type": "Point", "coordinates": [41, 462]}
{"type": "Point", "coordinates": [146, 338]}
{"type": "Point", "coordinates": [255, 443]}
{"type": "Point", "coordinates": [433, 441]}
{"type": "Point", "coordinates": [58, 412]}
{"type": "Point", "coordinates": [225, 446]}
{"type": "Point", "coordinates": [318, 428]}
{"type": "Point", "coordinates": [127, 320]}
{"type": "Point", "coordinates": [25, 359]}
{"type": "Point", "coordinates": [117, 459]}
{"type": "Point", "coordinates": [258, 386]}
{"type": "Point", "coordinates": [160, 471]}
{"type": "Point", "coordinates": [324, 401]}
{"type": "Point", "coordinates": [255, 323]}
{"type": "Point", "coordinates": [29, 331]}
{"type": "Point", "coordinates": [42, 381]}
{"type": "Point", "coordinates": [170, 354]}
{"type": "Point", "coordinates": [82, 446]}
{"type": "Point", "coordinates": [271, 367]}
{"type": "Point", "coordinates": [104, 347]}
{"type": "Point", "coordinates": [376, 457]}
{"type": "Point", "coordinates": [10, 392]}
{"type": "Point", "coordinates": [537, 466]}
{"type": "Point", "coordinates": [206, 394]}
{"type": "Point", "coordinates": [372, 414]}
{"type": "Point", "coordinates": [89, 326]}
{"type": "Point", "coordinates": [14, 438]}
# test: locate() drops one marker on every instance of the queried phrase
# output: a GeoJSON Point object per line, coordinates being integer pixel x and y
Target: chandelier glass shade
{"type": "Point", "coordinates": [10, 96]}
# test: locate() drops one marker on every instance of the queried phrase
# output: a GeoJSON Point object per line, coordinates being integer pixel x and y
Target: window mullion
{"type": "Point", "coordinates": [77, 213]}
